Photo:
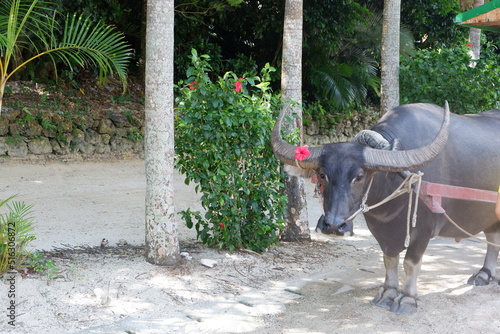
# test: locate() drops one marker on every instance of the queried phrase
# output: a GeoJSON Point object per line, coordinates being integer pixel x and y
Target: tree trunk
{"type": "Point", "coordinates": [389, 87]}
{"type": "Point", "coordinates": [297, 223]}
{"type": "Point", "coordinates": [475, 38]}
{"type": "Point", "coordinates": [162, 245]}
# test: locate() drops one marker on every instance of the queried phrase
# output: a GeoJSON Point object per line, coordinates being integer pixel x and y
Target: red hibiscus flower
{"type": "Point", "coordinates": [302, 152]}
{"type": "Point", "coordinates": [238, 86]}
{"type": "Point", "coordinates": [193, 85]}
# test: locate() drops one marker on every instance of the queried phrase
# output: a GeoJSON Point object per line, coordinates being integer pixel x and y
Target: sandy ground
{"type": "Point", "coordinates": [320, 287]}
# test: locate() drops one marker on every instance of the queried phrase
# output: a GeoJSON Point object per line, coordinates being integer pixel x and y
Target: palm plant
{"type": "Point", "coordinates": [341, 81]}
{"type": "Point", "coordinates": [341, 74]}
{"type": "Point", "coordinates": [16, 232]}
{"type": "Point", "coordinates": [32, 26]}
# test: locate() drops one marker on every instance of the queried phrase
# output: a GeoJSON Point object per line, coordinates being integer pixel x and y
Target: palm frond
{"type": "Point", "coordinates": [80, 43]}
{"type": "Point", "coordinates": [85, 44]}
{"type": "Point", "coordinates": [21, 19]}
{"type": "Point", "coordinates": [5, 201]}
{"type": "Point", "coordinates": [332, 83]}
{"type": "Point", "coordinates": [344, 84]}
{"type": "Point", "coordinates": [19, 219]}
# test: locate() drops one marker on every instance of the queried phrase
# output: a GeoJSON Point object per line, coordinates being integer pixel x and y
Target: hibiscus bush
{"type": "Point", "coordinates": [223, 130]}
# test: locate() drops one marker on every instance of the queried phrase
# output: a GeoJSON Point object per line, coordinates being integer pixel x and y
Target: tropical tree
{"type": "Point", "coordinates": [389, 88]}
{"type": "Point", "coordinates": [31, 27]}
{"type": "Point", "coordinates": [162, 244]}
{"type": "Point", "coordinates": [297, 225]}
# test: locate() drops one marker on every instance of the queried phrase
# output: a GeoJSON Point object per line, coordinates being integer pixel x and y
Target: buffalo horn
{"type": "Point", "coordinates": [286, 152]}
{"type": "Point", "coordinates": [396, 161]}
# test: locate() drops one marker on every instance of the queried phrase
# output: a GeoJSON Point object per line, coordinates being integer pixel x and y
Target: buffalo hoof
{"type": "Point", "coordinates": [385, 298]}
{"type": "Point", "coordinates": [404, 305]}
{"type": "Point", "coordinates": [480, 279]}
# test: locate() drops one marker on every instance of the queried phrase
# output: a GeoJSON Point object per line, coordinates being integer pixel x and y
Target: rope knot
{"type": "Point", "coordinates": [364, 208]}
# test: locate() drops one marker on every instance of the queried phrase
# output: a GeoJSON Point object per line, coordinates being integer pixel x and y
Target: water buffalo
{"type": "Point", "coordinates": [449, 149]}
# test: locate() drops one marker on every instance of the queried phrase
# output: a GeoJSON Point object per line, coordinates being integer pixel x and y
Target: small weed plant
{"type": "Point", "coordinates": [134, 135]}
{"type": "Point", "coordinates": [37, 263]}
{"type": "Point", "coordinates": [223, 130]}
{"type": "Point", "coordinates": [16, 232]}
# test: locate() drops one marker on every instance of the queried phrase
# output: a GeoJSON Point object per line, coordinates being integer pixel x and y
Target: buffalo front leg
{"type": "Point", "coordinates": [389, 292]}
{"type": "Point", "coordinates": [487, 272]}
{"type": "Point", "coordinates": [406, 302]}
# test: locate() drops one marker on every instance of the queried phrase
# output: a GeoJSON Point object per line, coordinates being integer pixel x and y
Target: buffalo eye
{"type": "Point", "coordinates": [358, 178]}
{"type": "Point", "coordinates": [323, 176]}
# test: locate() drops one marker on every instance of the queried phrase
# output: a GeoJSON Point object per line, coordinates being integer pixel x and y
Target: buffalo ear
{"type": "Point", "coordinates": [300, 172]}
{"type": "Point", "coordinates": [372, 139]}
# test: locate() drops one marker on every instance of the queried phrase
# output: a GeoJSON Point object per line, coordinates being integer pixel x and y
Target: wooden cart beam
{"type": "Point", "coordinates": [432, 193]}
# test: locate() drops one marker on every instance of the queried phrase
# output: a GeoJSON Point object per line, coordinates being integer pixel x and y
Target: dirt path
{"type": "Point", "coordinates": [320, 287]}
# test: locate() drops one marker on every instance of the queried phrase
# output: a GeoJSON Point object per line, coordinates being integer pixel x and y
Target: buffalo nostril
{"type": "Point", "coordinates": [345, 227]}
{"type": "Point", "coordinates": [341, 229]}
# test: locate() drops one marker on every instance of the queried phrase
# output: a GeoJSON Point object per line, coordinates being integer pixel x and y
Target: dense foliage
{"type": "Point", "coordinates": [430, 21]}
{"type": "Point", "coordinates": [341, 40]}
{"type": "Point", "coordinates": [447, 74]}
{"type": "Point", "coordinates": [339, 70]}
{"type": "Point", "coordinates": [338, 52]}
{"type": "Point", "coordinates": [222, 144]}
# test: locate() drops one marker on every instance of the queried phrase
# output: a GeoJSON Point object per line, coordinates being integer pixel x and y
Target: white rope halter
{"type": "Point", "coordinates": [404, 187]}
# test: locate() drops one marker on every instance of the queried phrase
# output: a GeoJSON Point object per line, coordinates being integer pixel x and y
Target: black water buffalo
{"type": "Point", "coordinates": [449, 149]}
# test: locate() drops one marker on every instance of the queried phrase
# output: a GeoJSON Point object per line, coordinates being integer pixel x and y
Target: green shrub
{"type": "Point", "coordinates": [16, 227]}
{"type": "Point", "coordinates": [438, 75]}
{"type": "Point", "coordinates": [223, 132]}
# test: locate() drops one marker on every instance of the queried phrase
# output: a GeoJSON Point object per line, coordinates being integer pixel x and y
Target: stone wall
{"type": "Point", "coordinates": [343, 131]}
{"type": "Point", "coordinates": [25, 133]}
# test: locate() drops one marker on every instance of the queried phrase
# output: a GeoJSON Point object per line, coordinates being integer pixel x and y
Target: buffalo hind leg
{"type": "Point", "coordinates": [487, 272]}
{"type": "Point", "coordinates": [389, 292]}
